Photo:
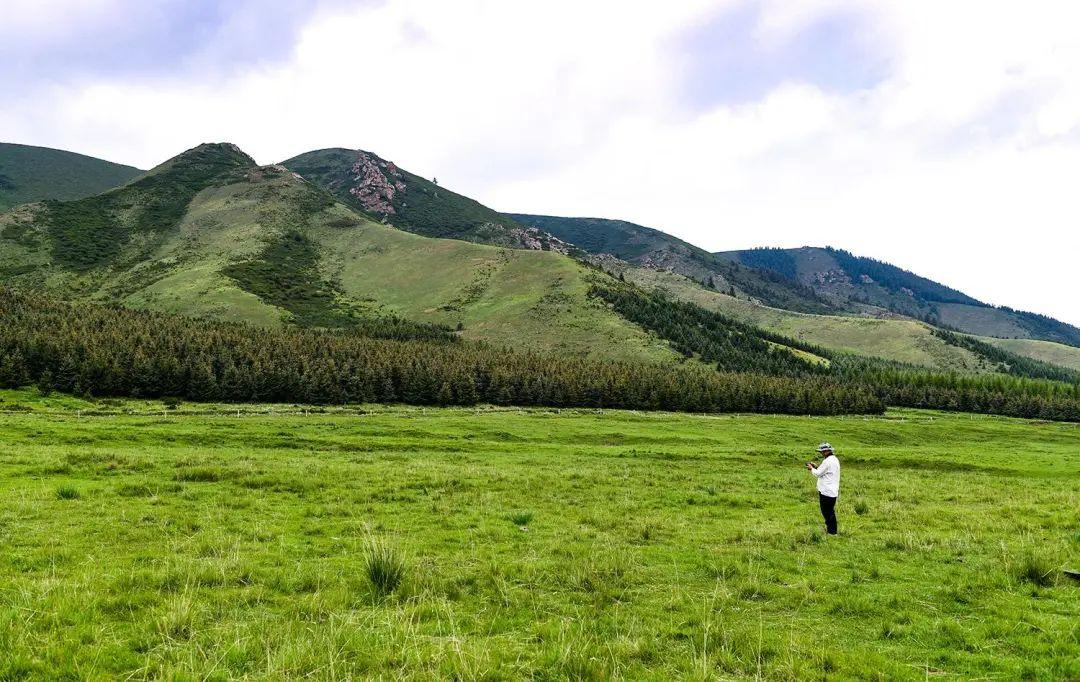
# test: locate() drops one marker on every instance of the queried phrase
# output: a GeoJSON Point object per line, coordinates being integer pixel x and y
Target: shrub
{"type": "Point", "coordinates": [385, 567]}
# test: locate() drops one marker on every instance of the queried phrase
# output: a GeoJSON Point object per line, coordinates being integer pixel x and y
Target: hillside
{"type": "Point", "coordinates": [1047, 351]}
{"type": "Point", "coordinates": [35, 173]}
{"type": "Point", "coordinates": [211, 234]}
{"type": "Point", "coordinates": [857, 283]}
{"type": "Point", "coordinates": [899, 340]}
{"type": "Point", "coordinates": [651, 248]}
{"type": "Point", "coordinates": [389, 194]}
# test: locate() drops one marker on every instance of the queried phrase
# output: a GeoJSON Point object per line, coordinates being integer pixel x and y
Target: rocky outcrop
{"type": "Point", "coordinates": [376, 183]}
{"type": "Point", "coordinates": [538, 240]}
{"type": "Point", "coordinates": [835, 276]}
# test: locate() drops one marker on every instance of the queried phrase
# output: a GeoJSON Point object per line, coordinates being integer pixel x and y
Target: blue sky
{"type": "Point", "coordinates": [944, 137]}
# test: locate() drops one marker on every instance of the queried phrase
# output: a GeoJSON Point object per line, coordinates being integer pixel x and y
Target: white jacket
{"type": "Point", "coordinates": [828, 476]}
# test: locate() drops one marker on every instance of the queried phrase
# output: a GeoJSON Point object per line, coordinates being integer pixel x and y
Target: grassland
{"type": "Point", "coordinates": [1047, 351]}
{"type": "Point", "coordinates": [214, 542]}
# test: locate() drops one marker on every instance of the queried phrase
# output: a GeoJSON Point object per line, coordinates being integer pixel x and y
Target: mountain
{"type": "Point", "coordinates": [384, 192]}
{"type": "Point", "coordinates": [896, 339]}
{"type": "Point", "coordinates": [824, 281]}
{"type": "Point", "coordinates": [34, 173]}
{"type": "Point", "coordinates": [211, 234]}
{"type": "Point", "coordinates": [651, 248]}
{"type": "Point", "coordinates": [864, 284]}
{"type": "Point", "coordinates": [807, 295]}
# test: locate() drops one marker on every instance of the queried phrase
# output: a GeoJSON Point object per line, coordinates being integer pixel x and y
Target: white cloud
{"type": "Point", "coordinates": [958, 165]}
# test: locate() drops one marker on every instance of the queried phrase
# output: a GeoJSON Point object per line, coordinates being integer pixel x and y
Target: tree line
{"type": "Point", "coordinates": [712, 337]}
{"type": "Point", "coordinates": [103, 351]}
{"type": "Point", "coordinates": [1008, 362]}
{"type": "Point", "coordinates": [909, 386]}
{"type": "Point", "coordinates": [1030, 389]}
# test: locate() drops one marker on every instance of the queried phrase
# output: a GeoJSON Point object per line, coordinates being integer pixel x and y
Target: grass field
{"type": "Point", "coordinates": [213, 542]}
{"type": "Point", "coordinates": [1047, 351]}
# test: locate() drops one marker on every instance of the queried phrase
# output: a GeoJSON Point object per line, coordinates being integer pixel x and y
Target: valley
{"type": "Point", "coordinates": [208, 540]}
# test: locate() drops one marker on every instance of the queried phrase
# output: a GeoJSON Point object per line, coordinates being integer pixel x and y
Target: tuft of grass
{"type": "Point", "coordinates": [134, 490]}
{"type": "Point", "coordinates": [385, 567]}
{"type": "Point", "coordinates": [520, 517]}
{"type": "Point", "coordinates": [67, 492]}
{"type": "Point", "coordinates": [206, 474]}
{"type": "Point", "coordinates": [1037, 569]}
{"type": "Point", "coordinates": [177, 619]}
{"type": "Point", "coordinates": [861, 508]}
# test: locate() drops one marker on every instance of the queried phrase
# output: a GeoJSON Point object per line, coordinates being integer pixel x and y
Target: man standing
{"type": "Point", "coordinates": [828, 485]}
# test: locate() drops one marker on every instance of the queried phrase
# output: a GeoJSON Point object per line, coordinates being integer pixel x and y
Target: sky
{"type": "Point", "coordinates": [943, 137]}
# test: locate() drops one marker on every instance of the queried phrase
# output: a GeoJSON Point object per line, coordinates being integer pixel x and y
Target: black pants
{"type": "Point", "coordinates": [828, 510]}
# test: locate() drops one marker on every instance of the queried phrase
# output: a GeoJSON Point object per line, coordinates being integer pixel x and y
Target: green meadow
{"type": "Point", "coordinates": [143, 540]}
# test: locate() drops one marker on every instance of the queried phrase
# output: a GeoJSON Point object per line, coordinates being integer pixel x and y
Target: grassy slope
{"type": "Point", "coordinates": [509, 297]}
{"type": "Point", "coordinates": [232, 543]}
{"type": "Point", "coordinates": [981, 321]}
{"type": "Point", "coordinates": [893, 339]}
{"type": "Point", "coordinates": [35, 173]}
{"type": "Point", "coordinates": [1047, 351]}
{"type": "Point", "coordinates": [652, 248]}
{"type": "Point", "coordinates": [520, 298]}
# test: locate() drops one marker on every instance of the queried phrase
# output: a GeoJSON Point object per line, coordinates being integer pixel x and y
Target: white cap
{"type": "Point", "coordinates": [823, 447]}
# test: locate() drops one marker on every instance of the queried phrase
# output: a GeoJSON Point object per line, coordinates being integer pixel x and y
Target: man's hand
{"type": "Point", "coordinates": [811, 465]}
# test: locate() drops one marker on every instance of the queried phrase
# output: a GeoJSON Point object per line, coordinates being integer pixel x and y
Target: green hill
{"type": "Point", "coordinates": [807, 280]}
{"type": "Point", "coordinates": [856, 283]}
{"type": "Point", "coordinates": [34, 173]}
{"type": "Point", "coordinates": [1047, 351]}
{"type": "Point", "coordinates": [900, 340]}
{"type": "Point", "coordinates": [211, 234]}
{"type": "Point", "coordinates": [387, 193]}
{"type": "Point", "coordinates": [651, 248]}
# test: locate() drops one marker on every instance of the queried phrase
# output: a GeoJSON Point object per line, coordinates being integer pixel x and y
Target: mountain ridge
{"type": "Point", "coordinates": [211, 233]}
{"type": "Point", "coordinates": [387, 193]}
{"type": "Point", "coordinates": [652, 248]}
{"type": "Point", "coordinates": [30, 173]}
{"type": "Point", "coordinates": [855, 281]}
{"type": "Point", "coordinates": [819, 280]}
